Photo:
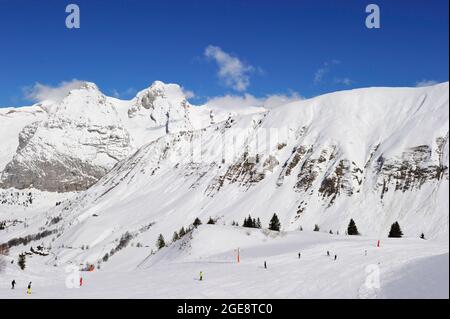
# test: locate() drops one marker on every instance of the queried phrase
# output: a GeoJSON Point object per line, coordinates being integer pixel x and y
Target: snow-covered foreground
{"type": "Point", "coordinates": [406, 268]}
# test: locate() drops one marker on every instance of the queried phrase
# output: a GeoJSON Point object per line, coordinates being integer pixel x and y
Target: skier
{"type": "Point", "coordinates": [365, 252]}
{"type": "Point", "coordinates": [29, 288]}
{"type": "Point", "coordinates": [81, 281]}
{"type": "Point", "coordinates": [13, 283]}
{"type": "Point", "coordinates": [335, 257]}
{"type": "Point", "coordinates": [299, 255]}
{"type": "Point", "coordinates": [201, 275]}
{"type": "Point", "coordinates": [328, 253]}
{"type": "Point", "coordinates": [265, 265]}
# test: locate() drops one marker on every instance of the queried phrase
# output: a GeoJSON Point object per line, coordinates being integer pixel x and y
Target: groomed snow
{"type": "Point", "coordinates": [408, 268]}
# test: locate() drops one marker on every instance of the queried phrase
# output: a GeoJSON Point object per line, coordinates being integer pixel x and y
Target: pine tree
{"type": "Point", "coordinates": [396, 231]}
{"type": "Point", "coordinates": [22, 261]}
{"type": "Point", "coordinates": [274, 223]}
{"type": "Point", "coordinates": [352, 229]}
{"type": "Point", "coordinates": [160, 243]}
{"type": "Point", "coordinates": [175, 237]}
{"type": "Point", "coordinates": [211, 221]}
{"type": "Point", "coordinates": [258, 223]}
{"type": "Point", "coordinates": [249, 222]}
{"type": "Point", "coordinates": [316, 227]}
{"type": "Point", "coordinates": [197, 222]}
{"type": "Point", "coordinates": [182, 232]}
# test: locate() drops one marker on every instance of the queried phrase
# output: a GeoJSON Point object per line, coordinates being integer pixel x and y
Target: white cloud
{"type": "Point", "coordinates": [128, 93]}
{"type": "Point", "coordinates": [323, 70]}
{"type": "Point", "coordinates": [344, 81]}
{"type": "Point", "coordinates": [232, 71]}
{"type": "Point", "coordinates": [40, 92]}
{"type": "Point", "coordinates": [188, 93]}
{"type": "Point", "coordinates": [239, 102]}
{"type": "Point", "coordinates": [426, 83]}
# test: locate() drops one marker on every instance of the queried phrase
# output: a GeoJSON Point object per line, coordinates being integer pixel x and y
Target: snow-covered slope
{"type": "Point", "coordinates": [374, 155]}
{"type": "Point", "coordinates": [400, 268]}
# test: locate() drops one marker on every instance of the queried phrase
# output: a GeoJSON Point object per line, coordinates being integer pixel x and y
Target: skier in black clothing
{"type": "Point", "coordinates": [328, 253]}
{"type": "Point", "coordinates": [265, 265]}
{"type": "Point", "coordinates": [335, 257]}
{"type": "Point", "coordinates": [13, 283]}
{"type": "Point", "coordinates": [299, 255]}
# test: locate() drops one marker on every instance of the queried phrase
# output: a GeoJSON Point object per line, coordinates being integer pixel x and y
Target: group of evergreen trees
{"type": "Point", "coordinates": [274, 225]}
{"type": "Point", "coordinates": [161, 242]}
{"type": "Point", "coordinates": [395, 232]}
{"type": "Point", "coordinates": [252, 222]}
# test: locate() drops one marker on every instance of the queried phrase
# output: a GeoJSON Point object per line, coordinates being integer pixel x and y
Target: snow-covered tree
{"type": "Point", "coordinates": [160, 243]}
{"type": "Point", "coordinates": [211, 221]}
{"type": "Point", "coordinates": [182, 232]}
{"type": "Point", "coordinates": [175, 237]}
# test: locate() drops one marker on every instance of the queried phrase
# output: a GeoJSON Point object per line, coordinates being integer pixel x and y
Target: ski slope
{"type": "Point", "coordinates": [407, 268]}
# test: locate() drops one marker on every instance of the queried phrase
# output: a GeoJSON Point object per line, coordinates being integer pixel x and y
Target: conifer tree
{"type": "Point", "coordinates": [22, 261]}
{"type": "Point", "coordinates": [395, 231]}
{"type": "Point", "coordinates": [316, 227]}
{"type": "Point", "coordinates": [160, 243]}
{"type": "Point", "coordinates": [352, 229]}
{"type": "Point", "coordinates": [197, 222]}
{"type": "Point", "coordinates": [275, 223]}
{"type": "Point", "coordinates": [175, 237]}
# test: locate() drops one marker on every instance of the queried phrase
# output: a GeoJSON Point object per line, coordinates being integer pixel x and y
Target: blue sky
{"type": "Point", "coordinates": [262, 47]}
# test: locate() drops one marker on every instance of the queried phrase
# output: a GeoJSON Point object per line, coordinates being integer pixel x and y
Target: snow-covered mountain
{"type": "Point", "coordinates": [68, 145]}
{"type": "Point", "coordinates": [153, 164]}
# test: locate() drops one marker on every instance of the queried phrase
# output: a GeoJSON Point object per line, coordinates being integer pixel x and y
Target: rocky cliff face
{"type": "Point", "coordinates": [68, 145]}
{"type": "Point", "coordinates": [79, 141]}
